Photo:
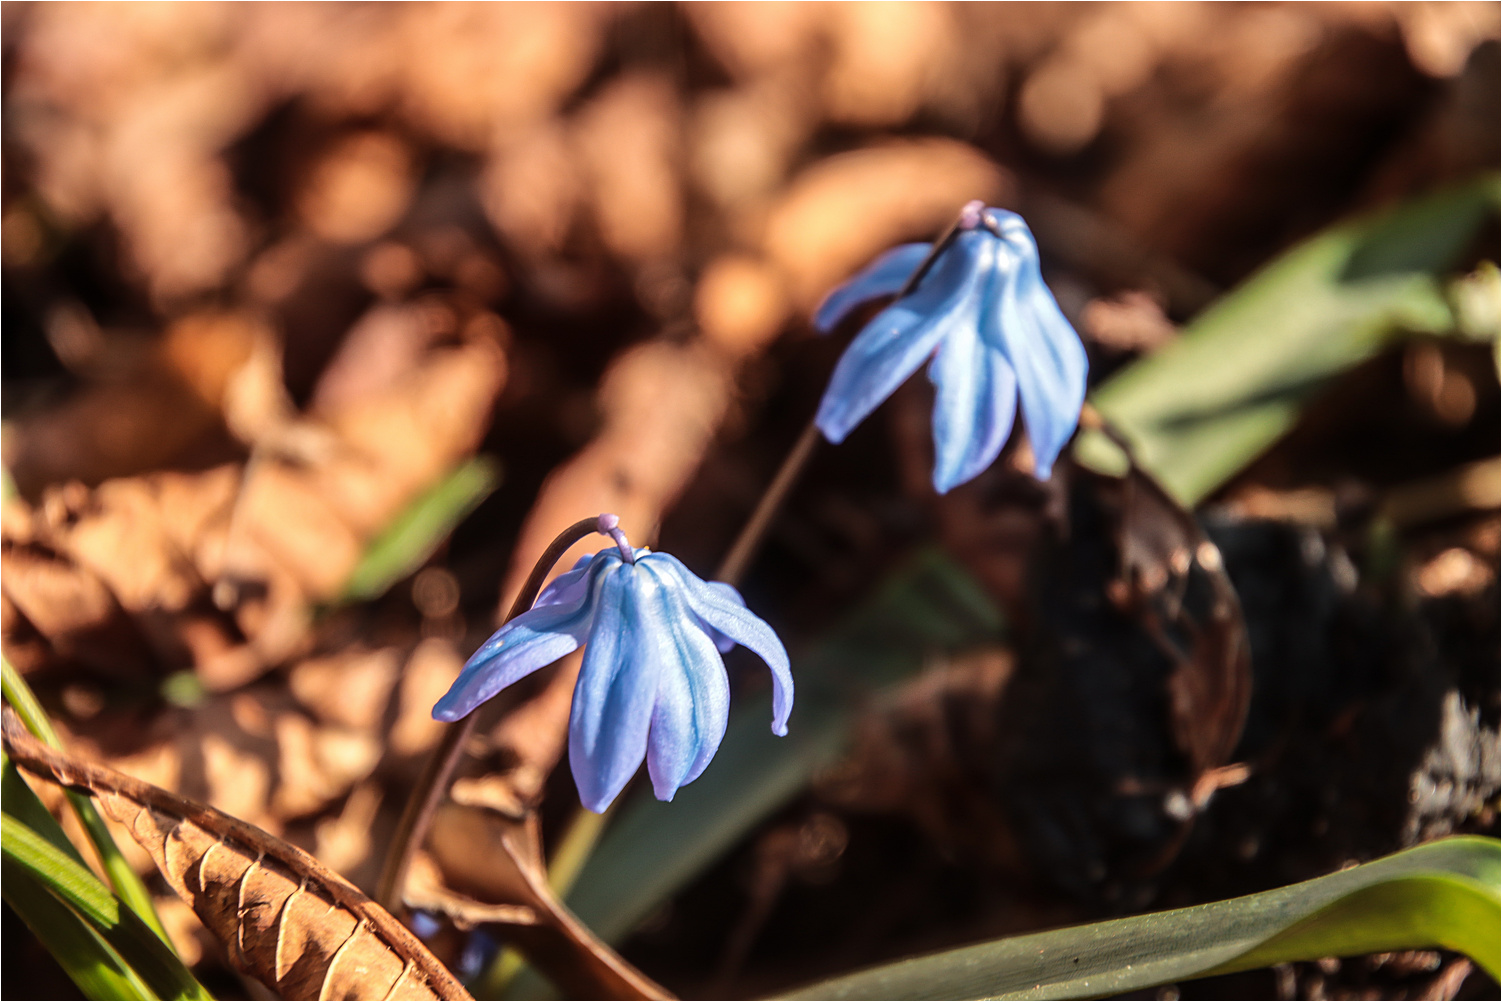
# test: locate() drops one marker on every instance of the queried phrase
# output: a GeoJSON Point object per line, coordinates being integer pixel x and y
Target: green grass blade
{"type": "Point", "coordinates": [652, 849]}
{"type": "Point", "coordinates": [1444, 894]}
{"type": "Point", "coordinates": [67, 878]}
{"type": "Point", "coordinates": [416, 532]}
{"type": "Point", "coordinates": [1200, 409]}
{"type": "Point", "coordinates": [83, 955]}
{"type": "Point", "coordinates": [76, 886]}
{"type": "Point", "coordinates": [18, 801]}
{"type": "Point", "coordinates": [124, 880]}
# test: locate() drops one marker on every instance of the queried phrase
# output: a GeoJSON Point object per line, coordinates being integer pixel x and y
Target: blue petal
{"type": "Point", "coordinates": [976, 396]}
{"type": "Point", "coordinates": [617, 687]}
{"type": "Point", "coordinates": [536, 638]}
{"type": "Point", "coordinates": [897, 339]}
{"type": "Point", "coordinates": [884, 277]}
{"type": "Point", "coordinates": [693, 693]}
{"type": "Point", "coordinates": [1043, 348]}
{"type": "Point", "coordinates": [744, 627]}
{"type": "Point", "coordinates": [722, 642]}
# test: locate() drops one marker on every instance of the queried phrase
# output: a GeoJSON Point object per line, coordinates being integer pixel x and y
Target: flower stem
{"type": "Point", "coordinates": [733, 567]}
{"type": "Point", "coordinates": [744, 548]}
{"type": "Point", "coordinates": [418, 814]}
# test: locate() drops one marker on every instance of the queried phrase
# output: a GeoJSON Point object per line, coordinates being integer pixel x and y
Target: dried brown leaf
{"type": "Point", "coordinates": [491, 870]}
{"type": "Point", "coordinates": [283, 917]}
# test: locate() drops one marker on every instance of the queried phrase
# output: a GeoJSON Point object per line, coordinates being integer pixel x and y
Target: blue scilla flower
{"type": "Point", "coordinates": [992, 330]}
{"type": "Point", "coordinates": [653, 683]}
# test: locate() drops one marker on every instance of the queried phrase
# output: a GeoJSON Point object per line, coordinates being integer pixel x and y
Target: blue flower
{"type": "Point", "coordinates": [993, 332]}
{"type": "Point", "coordinates": [653, 683]}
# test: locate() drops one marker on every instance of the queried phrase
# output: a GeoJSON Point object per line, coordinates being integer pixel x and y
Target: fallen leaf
{"type": "Point", "coordinates": [282, 916]}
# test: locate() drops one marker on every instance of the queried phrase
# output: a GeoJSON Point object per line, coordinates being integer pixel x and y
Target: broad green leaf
{"type": "Point", "coordinates": [416, 533]}
{"type": "Point", "coordinates": [83, 955]}
{"type": "Point", "coordinates": [125, 881]}
{"type": "Point", "coordinates": [928, 608]}
{"type": "Point", "coordinates": [1200, 409]}
{"type": "Point", "coordinates": [76, 886]}
{"type": "Point", "coordinates": [1444, 894]}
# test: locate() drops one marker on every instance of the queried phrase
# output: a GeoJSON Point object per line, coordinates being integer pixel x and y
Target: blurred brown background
{"type": "Point", "coordinates": [271, 271]}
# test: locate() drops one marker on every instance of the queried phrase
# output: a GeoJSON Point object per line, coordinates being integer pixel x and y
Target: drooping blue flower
{"type": "Point", "coordinates": [653, 683]}
{"type": "Point", "coordinates": [991, 332]}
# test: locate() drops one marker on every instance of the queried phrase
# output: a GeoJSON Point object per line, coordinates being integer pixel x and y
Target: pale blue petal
{"type": "Point", "coordinates": [1044, 350]}
{"type": "Point", "coordinates": [975, 399]}
{"type": "Point", "coordinates": [738, 623]}
{"type": "Point", "coordinates": [896, 341]}
{"type": "Point", "coordinates": [536, 638]}
{"type": "Point", "coordinates": [693, 693]}
{"type": "Point", "coordinates": [722, 642]}
{"type": "Point", "coordinates": [612, 711]}
{"type": "Point", "coordinates": [884, 277]}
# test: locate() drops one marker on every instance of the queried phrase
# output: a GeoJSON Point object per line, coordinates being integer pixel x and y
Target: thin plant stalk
{"type": "Point", "coordinates": [738, 557]}
{"type": "Point", "coordinates": [418, 814]}
{"type": "Point", "coordinates": [121, 877]}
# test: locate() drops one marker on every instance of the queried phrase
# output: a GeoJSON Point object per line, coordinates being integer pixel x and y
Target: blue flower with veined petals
{"type": "Point", "coordinates": [653, 683]}
{"type": "Point", "coordinates": [991, 331]}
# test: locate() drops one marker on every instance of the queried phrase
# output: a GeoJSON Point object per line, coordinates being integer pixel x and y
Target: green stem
{"type": "Point", "coordinates": [124, 879]}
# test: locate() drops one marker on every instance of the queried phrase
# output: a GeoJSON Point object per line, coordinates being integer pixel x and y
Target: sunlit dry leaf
{"type": "Point", "coordinates": [72, 608]}
{"type": "Point", "coordinates": [359, 188]}
{"type": "Point", "coordinates": [840, 213]}
{"type": "Point", "coordinates": [282, 916]}
{"type": "Point", "coordinates": [429, 672]}
{"type": "Point", "coordinates": [469, 69]}
{"type": "Point", "coordinates": [343, 843]}
{"type": "Point", "coordinates": [350, 688]}
{"type": "Point", "coordinates": [629, 136]}
{"type": "Point", "coordinates": [888, 56]}
{"type": "Point", "coordinates": [315, 764]}
{"type": "Point", "coordinates": [740, 304]}
{"type": "Point", "coordinates": [532, 186]}
{"type": "Point", "coordinates": [751, 38]}
{"type": "Point", "coordinates": [743, 141]}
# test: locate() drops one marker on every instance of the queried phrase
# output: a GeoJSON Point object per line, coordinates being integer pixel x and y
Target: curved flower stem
{"type": "Point", "coordinates": [733, 567]}
{"type": "Point", "coordinates": [418, 814]}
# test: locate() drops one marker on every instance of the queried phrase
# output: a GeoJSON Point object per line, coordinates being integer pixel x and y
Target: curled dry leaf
{"type": "Point", "coordinates": [484, 855]}
{"type": "Point", "coordinates": [283, 917]}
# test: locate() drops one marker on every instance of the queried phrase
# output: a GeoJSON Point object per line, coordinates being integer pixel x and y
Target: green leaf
{"type": "Point", "coordinates": [125, 881]}
{"type": "Point", "coordinates": [18, 801]}
{"type": "Point", "coordinates": [1444, 894]}
{"type": "Point", "coordinates": [1200, 409]}
{"type": "Point", "coordinates": [83, 955]}
{"type": "Point", "coordinates": [67, 879]}
{"type": "Point", "coordinates": [416, 533]}
{"type": "Point", "coordinates": [929, 607]}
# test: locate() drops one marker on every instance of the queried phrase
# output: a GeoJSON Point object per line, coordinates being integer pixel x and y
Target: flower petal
{"type": "Point", "coordinates": [693, 694]}
{"type": "Point", "coordinates": [883, 277]}
{"type": "Point", "coordinates": [536, 638]}
{"type": "Point", "coordinates": [975, 399]}
{"type": "Point", "coordinates": [617, 687]}
{"type": "Point", "coordinates": [738, 623]}
{"type": "Point", "coordinates": [1045, 352]}
{"type": "Point", "coordinates": [897, 339]}
{"type": "Point", "coordinates": [722, 642]}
